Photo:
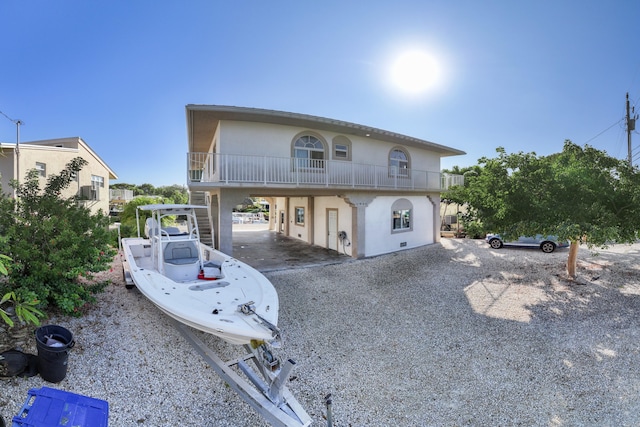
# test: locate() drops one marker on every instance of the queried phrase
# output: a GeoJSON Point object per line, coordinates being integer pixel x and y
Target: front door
{"type": "Point", "coordinates": [332, 229]}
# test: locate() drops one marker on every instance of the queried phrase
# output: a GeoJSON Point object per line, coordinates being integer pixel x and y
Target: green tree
{"type": "Point", "coordinates": [174, 194]}
{"type": "Point", "coordinates": [128, 227]}
{"type": "Point", "coordinates": [146, 189]}
{"type": "Point", "coordinates": [53, 242]}
{"type": "Point", "coordinates": [123, 186]}
{"type": "Point", "coordinates": [580, 194]}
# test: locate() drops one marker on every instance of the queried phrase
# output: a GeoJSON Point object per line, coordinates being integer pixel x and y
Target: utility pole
{"type": "Point", "coordinates": [18, 123]}
{"type": "Point", "coordinates": [17, 149]}
{"type": "Point", "coordinates": [631, 126]}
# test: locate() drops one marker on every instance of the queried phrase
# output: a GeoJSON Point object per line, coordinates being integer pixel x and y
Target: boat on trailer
{"type": "Point", "coordinates": [196, 284]}
{"type": "Point", "coordinates": [208, 290]}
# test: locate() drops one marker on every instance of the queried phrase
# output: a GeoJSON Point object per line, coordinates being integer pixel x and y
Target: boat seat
{"type": "Point", "coordinates": [181, 253]}
{"type": "Point", "coordinates": [151, 227]}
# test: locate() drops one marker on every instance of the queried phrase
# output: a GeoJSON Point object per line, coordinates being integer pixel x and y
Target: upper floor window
{"type": "Point", "coordinates": [399, 162]}
{"type": "Point", "coordinates": [341, 148]}
{"type": "Point", "coordinates": [97, 181]}
{"type": "Point", "coordinates": [401, 216]}
{"type": "Point", "coordinates": [41, 168]}
{"type": "Point", "coordinates": [309, 152]}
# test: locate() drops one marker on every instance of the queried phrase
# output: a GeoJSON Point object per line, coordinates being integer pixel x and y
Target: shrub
{"type": "Point", "coordinates": [128, 227]}
{"type": "Point", "coordinates": [54, 242]}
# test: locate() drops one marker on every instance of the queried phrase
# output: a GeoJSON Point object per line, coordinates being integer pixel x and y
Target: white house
{"type": "Point", "coordinates": [50, 157]}
{"type": "Point", "coordinates": [343, 186]}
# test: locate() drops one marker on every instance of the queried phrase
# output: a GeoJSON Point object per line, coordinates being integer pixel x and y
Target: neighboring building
{"type": "Point", "coordinates": [450, 216]}
{"type": "Point", "coordinates": [118, 198]}
{"type": "Point", "coordinates": [343, 186]}
{"type": "Point", "coordinates": [50, 157]}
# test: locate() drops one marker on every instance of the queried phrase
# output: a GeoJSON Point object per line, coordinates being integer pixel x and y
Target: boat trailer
{"type": "Point", "coordinates": [262, 387]}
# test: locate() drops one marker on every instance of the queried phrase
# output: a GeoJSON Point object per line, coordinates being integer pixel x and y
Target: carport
{"type": "Point", "coordinates": [267, 250]}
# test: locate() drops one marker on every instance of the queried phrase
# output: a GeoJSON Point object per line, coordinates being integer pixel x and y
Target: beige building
{"type": "Point", "coordinates": [346, 187]}
{"type": "Point", "coordinates": [50, 157]}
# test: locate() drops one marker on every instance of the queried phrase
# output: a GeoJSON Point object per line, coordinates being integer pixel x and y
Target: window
{"type": "Point", "coordinates": [341, 151]}
{"type": "Point", "coordinates": [97, 181]}
{"type": "Point", "coordinates": [341, 148]}
{"type": "Point", "coordinates": [299, 216]}
{"type": "Point", "coordinates": [309, 152]}
{"type": "Point", "coordinates": [41, 168]}
{"type": "Point", "coordinates": [401, 216]}
{"type": "Point", "coordinates": [399, 162]}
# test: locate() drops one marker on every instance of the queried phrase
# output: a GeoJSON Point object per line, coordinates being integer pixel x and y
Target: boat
{"type": "Point", "coordinates": [196, 284]}
{"type": "Point", "coordinates": [205, 289]}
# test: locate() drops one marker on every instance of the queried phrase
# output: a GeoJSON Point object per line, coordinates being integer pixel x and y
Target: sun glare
{"type": "Point", "coordinates": [415, 71]}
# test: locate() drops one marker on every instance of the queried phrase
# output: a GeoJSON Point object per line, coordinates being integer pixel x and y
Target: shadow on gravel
{"type": "Point", "coordinates": [523, 284]}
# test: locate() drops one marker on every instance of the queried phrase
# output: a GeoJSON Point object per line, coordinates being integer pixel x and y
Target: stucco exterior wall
{"type": "Point", "coordinates": [379, 236]}
{"type": "Point", "coordinates": [321, 204]}
{"type": "Point", "coordinates": [6, 171]}
{"type": "Point", "coordinates": [245, 138]}
{"type": "Point", "coordinates": [300, 231]}
{"type": "Point", "coordinates": [55, 154]}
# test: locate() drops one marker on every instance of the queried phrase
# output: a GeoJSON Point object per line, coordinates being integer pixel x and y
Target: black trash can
{"type": "Point", "coordinates": [54, 343]}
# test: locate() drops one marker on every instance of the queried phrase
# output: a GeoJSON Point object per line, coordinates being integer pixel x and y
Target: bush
{"type": "Point", "coordinates": [54, 242]}
{"type": "Point", "coordinates": [473, 229]}
{"type": "Point", "coordinates": [128, 226]}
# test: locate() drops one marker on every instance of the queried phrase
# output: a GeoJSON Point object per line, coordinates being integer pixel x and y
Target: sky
{"type": "Point", "coordinates": [525, 76]}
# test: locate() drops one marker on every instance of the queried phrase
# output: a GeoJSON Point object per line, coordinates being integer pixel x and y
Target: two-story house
{"type": "Point", "coordinates": [50, 157]}
{"type": "Point", "coordinates": [343, 186]}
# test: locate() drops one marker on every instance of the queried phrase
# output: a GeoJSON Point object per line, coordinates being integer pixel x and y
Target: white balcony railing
{"type": "Point", "coordinates": [120, 194]}
{"type": "Point", "coordinates": [228, 169]}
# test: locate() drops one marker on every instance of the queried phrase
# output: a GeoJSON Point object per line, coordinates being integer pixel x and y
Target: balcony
{"type": "Point", "coordinates": [120, 194]}
{"type": "Point", "coordinates": [241, 170]}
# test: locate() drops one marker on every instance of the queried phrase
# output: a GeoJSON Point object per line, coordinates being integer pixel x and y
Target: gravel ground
{"type": "Point", "coordinates": [451, 334]}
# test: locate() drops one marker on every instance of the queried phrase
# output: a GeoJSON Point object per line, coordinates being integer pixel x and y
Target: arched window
{"type": "Point", "coordinates": [309, 152]}
{"type": "Point", "coordinates": [401, 212]}
{"type": "Point", "coordinates": [399, 162]}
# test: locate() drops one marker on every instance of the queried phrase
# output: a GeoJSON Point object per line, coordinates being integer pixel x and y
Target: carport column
{"type": "Point", "coordinates": [437, 220]}
{"type": "Point", "coordinates": [227, 200]}
{"type": "Point", "coordinates": [358, 205]}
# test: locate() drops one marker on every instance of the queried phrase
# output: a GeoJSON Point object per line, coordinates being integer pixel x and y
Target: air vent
{"type": "Point", "coordinates": [403, 244]}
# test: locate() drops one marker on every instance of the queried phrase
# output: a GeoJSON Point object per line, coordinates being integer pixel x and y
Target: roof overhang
{"type": "Point", "coordinates": [203, 120]}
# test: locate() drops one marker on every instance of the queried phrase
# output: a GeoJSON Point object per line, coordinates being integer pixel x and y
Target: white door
{"type": "Point", "coordinates": [281, 225]}
{"type": "Point", "coordinates": [332, 229]}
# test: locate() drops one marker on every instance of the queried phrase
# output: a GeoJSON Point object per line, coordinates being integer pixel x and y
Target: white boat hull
{"type": "Point", "coordinates": [186, 290]}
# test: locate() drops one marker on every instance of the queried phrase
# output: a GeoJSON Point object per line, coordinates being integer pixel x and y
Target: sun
{"type": "Point", "coordinates": [415, 71]}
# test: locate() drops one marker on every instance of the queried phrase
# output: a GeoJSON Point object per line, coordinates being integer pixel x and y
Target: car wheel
{"type": "Point", "coordinates": [547, 247]}
{"type": "Point", "coordinates": [495, 243]}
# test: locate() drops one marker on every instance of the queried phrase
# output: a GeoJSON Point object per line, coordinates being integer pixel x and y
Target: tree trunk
{"type": "Point", "coordinates": [573, 259]}
{"type": "Point", "coordinates": [16, 336]}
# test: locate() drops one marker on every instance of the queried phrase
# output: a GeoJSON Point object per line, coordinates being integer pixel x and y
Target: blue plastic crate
{"type": "Point", "coordinates": [49, 407]}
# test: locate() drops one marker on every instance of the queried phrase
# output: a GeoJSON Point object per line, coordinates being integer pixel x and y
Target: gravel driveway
{"type": "Point", "coordinates": [451, 334]}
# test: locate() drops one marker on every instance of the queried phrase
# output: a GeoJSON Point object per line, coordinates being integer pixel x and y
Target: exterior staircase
{"type": "Point", "coordinates": [203, 217]}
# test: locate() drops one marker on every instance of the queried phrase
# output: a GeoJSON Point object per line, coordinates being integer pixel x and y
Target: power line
{"type": "Point", "coordinates": [618, 122]}
{"type": "Point", "coordinates": [10, 119]}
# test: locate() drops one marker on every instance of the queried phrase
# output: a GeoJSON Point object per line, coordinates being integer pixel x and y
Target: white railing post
{"type": "Point", "coordinates": [223, 158]}
{"type": "Point", "coordinates": [353, 176]}
{"type": "Point", "coordinates": [326, 172]}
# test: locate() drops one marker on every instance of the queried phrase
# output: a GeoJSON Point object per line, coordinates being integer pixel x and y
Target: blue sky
{"type": "Point", "coordinates": [522, 75]}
